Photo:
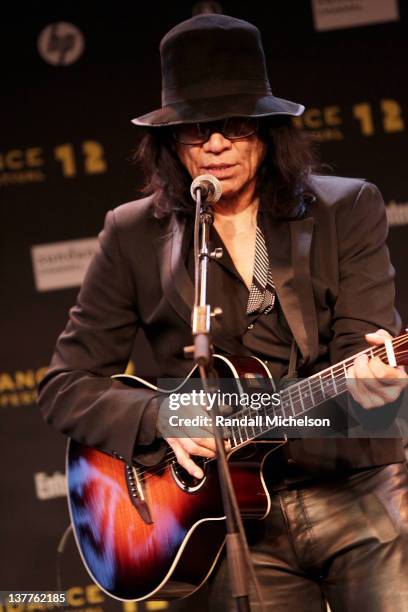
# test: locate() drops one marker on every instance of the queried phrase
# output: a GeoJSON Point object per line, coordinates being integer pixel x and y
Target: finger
{"type": "Point", "coordinates": [377, 338]}
{"type": "Point", "coordinates": [385, 376]}
{"type": "Point", "coordinates": [383, 371]}
{"type": "Point", "coordinates": [362, 383]}
{"type": "Point", "coordinates": [351, 381]}
{"type": "Point", "coordinates": [362, 368]}
{"type": "Point", "coordinates": [370, 373]}
{"type": "Point", "coordinates": [372, 393]}
{"type": "Point", "coordinates": [379, 397]}
{"type": "Point", "coordinates": [368, 402]}
{"type": "Point", "coordinates": [205, 447]}
{"type": "Point", "coordinates": [186, 462]}
{"type": "Point", "coordinates": [199, 447]}
{"type": "Point", "coordinates": [366, 397]}
{"type": "Point", "coordinates": [206, 442]}
{"type": "Point", "coordinates": [390, 394]}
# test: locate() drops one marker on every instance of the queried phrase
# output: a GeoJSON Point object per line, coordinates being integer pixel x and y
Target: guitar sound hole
{"type": "Point", "coordinates": [184, 480]}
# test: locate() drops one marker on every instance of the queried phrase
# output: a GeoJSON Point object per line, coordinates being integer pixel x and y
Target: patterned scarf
{"type": "Point", "coordinates": [262, 292]}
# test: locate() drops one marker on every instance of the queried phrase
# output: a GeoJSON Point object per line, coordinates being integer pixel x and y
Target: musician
{"type": "Point", "coordinates": [304, 265]}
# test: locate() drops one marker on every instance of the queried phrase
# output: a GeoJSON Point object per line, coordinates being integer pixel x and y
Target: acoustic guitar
{"type": "Point", "coordinates": [157, 532]}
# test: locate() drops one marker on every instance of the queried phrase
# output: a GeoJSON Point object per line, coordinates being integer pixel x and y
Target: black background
{"type": "Point", "coordinates": [117, 78]}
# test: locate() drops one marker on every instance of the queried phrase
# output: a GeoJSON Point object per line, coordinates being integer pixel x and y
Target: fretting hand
{"type": "Point", "coordinates": [373, 383]}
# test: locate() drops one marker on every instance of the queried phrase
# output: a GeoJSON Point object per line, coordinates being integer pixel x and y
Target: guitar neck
{"type": "Point", "coordinates": [304, 395]}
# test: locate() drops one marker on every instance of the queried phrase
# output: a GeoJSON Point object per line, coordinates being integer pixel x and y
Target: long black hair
{"type": "Point", "coordinates": [283, 177]}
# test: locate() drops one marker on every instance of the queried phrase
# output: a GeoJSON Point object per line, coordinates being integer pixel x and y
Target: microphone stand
{"type": "Point", "coordinates": [237, 547]}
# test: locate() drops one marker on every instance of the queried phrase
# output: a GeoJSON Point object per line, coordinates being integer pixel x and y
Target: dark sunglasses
{"type": "Point", "coordinates": [232, 128]}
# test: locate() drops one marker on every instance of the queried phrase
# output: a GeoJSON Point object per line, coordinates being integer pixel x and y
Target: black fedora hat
{"type": "Point", "coordinates": [213, 66]}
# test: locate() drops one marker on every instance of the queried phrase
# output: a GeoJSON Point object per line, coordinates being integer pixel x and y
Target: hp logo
{"type": "Point", "coordinates": [60, 44]}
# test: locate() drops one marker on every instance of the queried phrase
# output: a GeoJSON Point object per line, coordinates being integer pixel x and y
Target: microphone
{"type": "Point", "coordinates": [209, 186]}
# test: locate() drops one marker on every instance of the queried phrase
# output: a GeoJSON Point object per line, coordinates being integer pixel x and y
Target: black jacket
{"type": "Point", "coordinates": [333, 278]}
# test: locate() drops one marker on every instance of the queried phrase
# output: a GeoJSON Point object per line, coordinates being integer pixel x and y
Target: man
{"type": "Point", "coordinates": [304, 259]}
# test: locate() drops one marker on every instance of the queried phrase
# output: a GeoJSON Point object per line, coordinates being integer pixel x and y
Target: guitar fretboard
{"type": "Point", "coordinates": [301, 397]}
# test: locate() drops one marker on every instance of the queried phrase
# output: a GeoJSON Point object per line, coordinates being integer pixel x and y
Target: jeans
{"type": "Point", "coordinates": [338, 540]}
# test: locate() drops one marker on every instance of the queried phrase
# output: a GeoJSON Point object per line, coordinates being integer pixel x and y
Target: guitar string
{"type": "Point", "coordinates": [295, 397]}
{"type": "Point", "coordinates": [375, 352]}
{"type": "Point", "coordinates": [170, 453]}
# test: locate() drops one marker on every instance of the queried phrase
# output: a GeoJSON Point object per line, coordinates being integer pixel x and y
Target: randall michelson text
{"type": "Point", "coordinates": [258, 420]}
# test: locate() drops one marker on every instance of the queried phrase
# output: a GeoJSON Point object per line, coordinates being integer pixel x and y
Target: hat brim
{"type": "Point", "coordinates": [212, 109]}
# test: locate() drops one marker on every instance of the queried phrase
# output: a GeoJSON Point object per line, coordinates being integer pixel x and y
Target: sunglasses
{"type": "Point", "coordinates": [232, 128]}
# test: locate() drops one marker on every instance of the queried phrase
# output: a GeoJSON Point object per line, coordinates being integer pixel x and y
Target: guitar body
{"type": "Point", "coordinates": [156, 533]}
{"type": "Point", "coordinates": [173, 555]}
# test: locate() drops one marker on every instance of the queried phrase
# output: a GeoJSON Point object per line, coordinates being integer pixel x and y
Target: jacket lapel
{"type": "Point", "coordinates": [178, 287]}
{"type": "Point", "coordinates": [176, 283]}
{"type": "Point", "coordinates": [289, 256]}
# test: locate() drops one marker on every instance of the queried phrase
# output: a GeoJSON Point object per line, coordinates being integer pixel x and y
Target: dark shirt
{"type": "Point", "coordinates": [266, 336]}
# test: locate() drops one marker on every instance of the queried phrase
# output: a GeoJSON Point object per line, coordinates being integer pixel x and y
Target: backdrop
{"type": "Point", "coordinates": [70, 84]}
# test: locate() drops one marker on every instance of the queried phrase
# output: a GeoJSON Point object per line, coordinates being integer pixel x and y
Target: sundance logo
{"type": "Point", "coordinates": [61, 44]}
{"type": "Point", "coordinates": [334, 14]}
{"type": "Point", "coordinates": [60, 265]}
{"type": "Point", "coordinates": [397, 213]}
{"type": "Point", "coordinates": [50, 487]}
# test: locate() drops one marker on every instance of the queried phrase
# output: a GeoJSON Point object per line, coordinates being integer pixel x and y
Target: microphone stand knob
{"type": "Point", "coordinates": [217, 253]}
{"type": "Point", "coordinates": [188, 351]}
{"type": "Point", "coordinates": [217, 312]}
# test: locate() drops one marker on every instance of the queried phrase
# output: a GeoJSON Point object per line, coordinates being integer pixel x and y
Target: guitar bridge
{"type": "Point", "coordinates": [136, 494]}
